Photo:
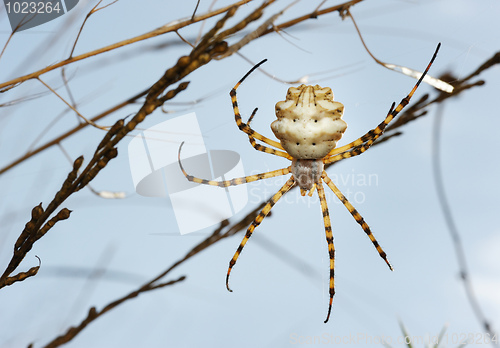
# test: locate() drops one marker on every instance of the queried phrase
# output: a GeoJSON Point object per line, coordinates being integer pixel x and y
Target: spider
{"type": "Point", "coordinates": [309, 124]}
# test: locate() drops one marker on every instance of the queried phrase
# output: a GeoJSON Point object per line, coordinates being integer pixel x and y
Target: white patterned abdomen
{"type": "Point", "coordinates": [309, 122]}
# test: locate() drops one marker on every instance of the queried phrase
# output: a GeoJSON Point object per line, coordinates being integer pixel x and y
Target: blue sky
{"type": "Point", "coordinates": [280, 282]}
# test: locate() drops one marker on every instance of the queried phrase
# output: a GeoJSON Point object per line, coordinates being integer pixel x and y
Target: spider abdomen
{"type": "Point", "coordinates": [307, 172]}
{"type": "Point", "coordinates": [309, 122]}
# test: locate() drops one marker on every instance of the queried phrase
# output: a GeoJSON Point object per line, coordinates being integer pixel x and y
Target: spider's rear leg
{"type": "Point", "coordinates": [237, 116]}
{"type": "Point", "coordinates": [331, 247]}
{"type": "Point", "coordinates": [232, 182]}
{"type": "Point", "coordinates": [263, 148]}
{"type": "Point", "coordinates": [357, 216]}
{"type": "Point", "coordinates": [358, 146]}
{"type": "Point", "coordinates": [256, 222]}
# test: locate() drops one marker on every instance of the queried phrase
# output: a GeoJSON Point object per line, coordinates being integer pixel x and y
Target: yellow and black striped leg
{"type": "Point", "coordinates": [263, 148]}
{"type": "Point", "coordinates": [331, 247]}
{"type": "Point", "coordinates": [357, 216]}
{"type": "Point", "coordinates": [369, 137]}
{"type": "Point", "coordinates": [360, 145]}
{"type": "Point", "coordinates": [243, 126]}
{"type": "Point", "coordinates": [256, 222]}
{"type": "Point", "coordinates": [236, 181]}
{"type": "Point", "coordinates": [365, 142]}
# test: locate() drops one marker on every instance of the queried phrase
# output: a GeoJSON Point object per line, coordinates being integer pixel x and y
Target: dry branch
{"type": "Point", "coordinates": [339, 8]}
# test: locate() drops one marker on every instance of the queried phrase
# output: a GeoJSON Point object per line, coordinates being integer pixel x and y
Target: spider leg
{"type": "Point", "coordinates": [331, 247]}
{"type": "Point", "coordinates": [236, 181]}
{"type": "Point", "coordinates": [243, 126]}
{"type": "Point", "coordinates": [263, 148]}
{"type": "Point", "coordinates": [256, 222]}
{"type": "Point", "coordinates": [357, 216]}
{"type": "Point", "coordinates": [362, 144]}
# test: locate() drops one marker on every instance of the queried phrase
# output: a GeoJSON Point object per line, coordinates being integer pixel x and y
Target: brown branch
{"type": "Point", "coordinates": [211, 45]}
{"type": "Point", "coordinates": [57, 140]}
{"type": "Point", "coordinates": [22, 275]}
{"type": "Point", "coordinates": [160, 31]}
{"type": "Point", "coordinates": [60, 138]}
{"type": "Point", "coordinates": [337, 8]}
{"type": "Point", "coordinates": [106, 150]}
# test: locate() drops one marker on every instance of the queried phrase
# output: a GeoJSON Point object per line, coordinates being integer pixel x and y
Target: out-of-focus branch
{"type": "Point", "coordinates": [452, 227]}
{"type": "Point", "coordinates": [77, 128]}
{"type": "Point", "coordinates": [337, 8]}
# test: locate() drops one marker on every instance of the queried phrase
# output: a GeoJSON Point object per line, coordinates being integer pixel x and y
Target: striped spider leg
{"type": "Point", "coordinates": [309, 124]}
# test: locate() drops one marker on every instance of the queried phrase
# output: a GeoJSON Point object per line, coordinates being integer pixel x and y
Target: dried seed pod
{"type": "Point", "coordinates": [63, 214]}
{"type": "Point", "coordinates": [78, 163]}
{"type": "Point", "coordinates": [36, 212]}
{"type": "Point", "coordinates": [112, 132]}
{"type": "Point", "coordinates": [183, 61]}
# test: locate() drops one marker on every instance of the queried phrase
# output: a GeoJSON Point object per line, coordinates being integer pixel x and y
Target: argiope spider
{"type": "Point", "coordinates": [309, 125]}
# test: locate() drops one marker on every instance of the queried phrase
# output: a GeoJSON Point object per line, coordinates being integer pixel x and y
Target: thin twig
{"type": "Point", "coordinates": [91, 12]}
{"type": "Point", "coordinates": [195, 9]}
{"type": "Point", "coordinates": [55, 141]}
{"type": "Point", "coordinates": [435, 82]}
{"type": "Point", "coordinates": [72, 107]}
{"type": "Point", "coordinates": [160, 31]}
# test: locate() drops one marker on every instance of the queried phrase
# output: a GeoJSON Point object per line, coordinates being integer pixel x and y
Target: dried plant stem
{"type": "Point", "coordinates": [70, 132]}
{"type": "Point", "coordinates": [90, 122]}
{"type": "Point", "coordinates": [160, 31]}
{"type": "Point", "coordinates": [55, 141]}
{"type": "Point", "coordinates": [91, 12]}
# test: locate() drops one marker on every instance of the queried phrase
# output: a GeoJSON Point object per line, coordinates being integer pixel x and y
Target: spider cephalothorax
{"type": "Point", "coordinates": [309, 125]}
{"type": "Point", "coordinates": [309, 122]}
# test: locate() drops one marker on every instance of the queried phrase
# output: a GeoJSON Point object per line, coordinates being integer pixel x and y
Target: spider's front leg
{"type": "Point", "coordinates": [362, 144]}
{"type": "Point", "coordinates": [237, 116]}
{"type": "Point", "coordinates": [263, 148]}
